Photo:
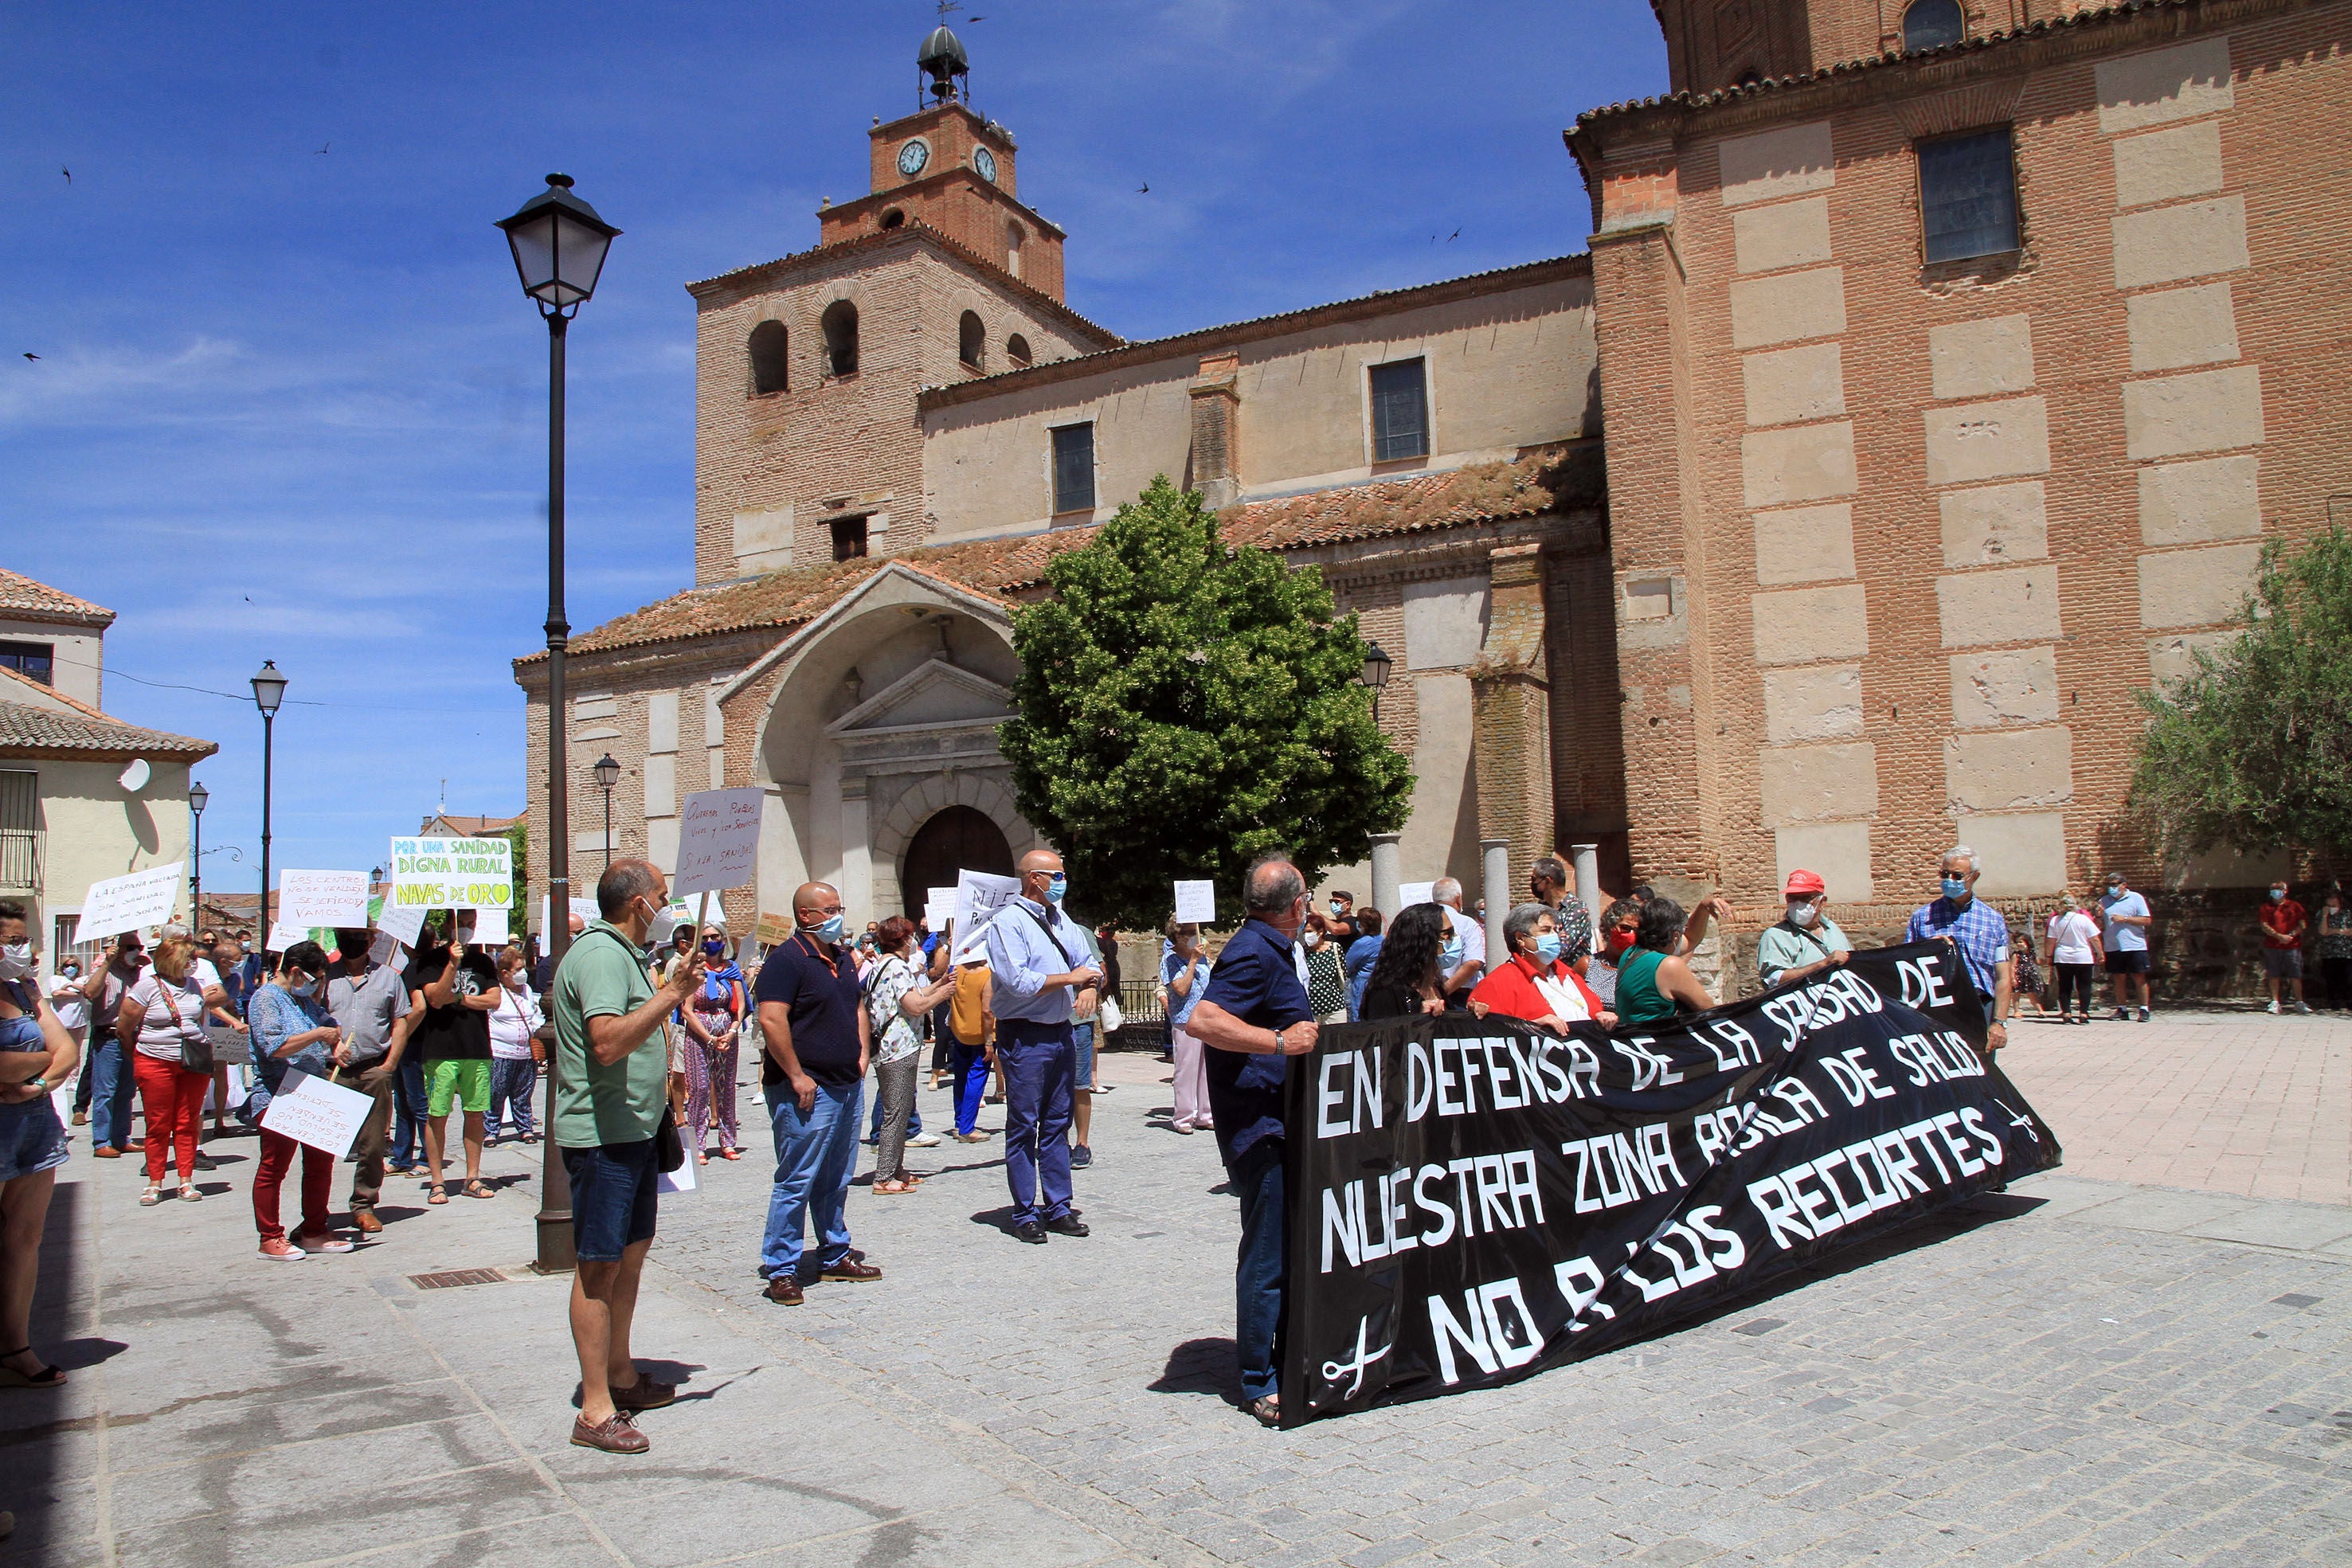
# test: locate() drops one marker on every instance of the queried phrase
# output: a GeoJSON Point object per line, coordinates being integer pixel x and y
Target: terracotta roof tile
{"type": "Point", "coordinates": [21, 595]}
{"type": "Point", "coordinates": [1540, 480]}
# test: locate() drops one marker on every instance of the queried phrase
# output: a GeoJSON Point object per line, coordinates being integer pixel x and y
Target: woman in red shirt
{"type": "Point", "coordinates": [1535, 985]}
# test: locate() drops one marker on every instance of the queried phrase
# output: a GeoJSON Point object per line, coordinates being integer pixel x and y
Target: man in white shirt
{"type": "Point", "coordinates": [2127, 920]}
{"type": "Point", "coordinates": [1465, 961]}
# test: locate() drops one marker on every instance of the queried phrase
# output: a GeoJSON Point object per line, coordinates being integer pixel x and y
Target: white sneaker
{"type": "Point", "coordinates": [2273, 1010]}
{"type": "Point", "coordinates": [923, 1141]}
{"type": "Point", "coordinates": [2302, 1008]}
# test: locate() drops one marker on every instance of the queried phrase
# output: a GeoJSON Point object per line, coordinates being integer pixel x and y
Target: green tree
{"type": "Point", "coordinates": [1186, 707]}
{"type": "Point", "coordinates": [2253, 749]}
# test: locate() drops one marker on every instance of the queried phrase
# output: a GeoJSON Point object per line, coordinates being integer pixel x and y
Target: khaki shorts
{"type": "Point", "coordinates": [466, 1083]}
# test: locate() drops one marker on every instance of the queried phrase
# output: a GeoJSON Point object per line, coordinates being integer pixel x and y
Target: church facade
{"type": "Point", "coordinates": [1893, 509]}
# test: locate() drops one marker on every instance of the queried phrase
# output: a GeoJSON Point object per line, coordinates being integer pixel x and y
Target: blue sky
{"type": "Point", "coordinates": [291, 401]}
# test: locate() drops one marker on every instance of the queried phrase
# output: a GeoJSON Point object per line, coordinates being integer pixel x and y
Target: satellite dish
{"type": "Point", "coordinates": [134, 777]}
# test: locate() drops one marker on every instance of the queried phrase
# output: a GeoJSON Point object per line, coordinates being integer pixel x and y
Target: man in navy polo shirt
{"type": "Point", "coordinates": [812, 1076]}
{"type": "Point", "coordinates": [1253, 1017]}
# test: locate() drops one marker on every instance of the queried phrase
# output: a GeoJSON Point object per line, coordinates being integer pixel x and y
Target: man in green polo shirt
{"type": "Point", "coordinates": [612, 1082]}
{"type": "Point", "coordinates": [1805, 941]}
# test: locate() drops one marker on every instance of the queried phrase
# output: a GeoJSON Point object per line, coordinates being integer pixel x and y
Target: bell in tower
{"type": "Point", "coordinates": [942, 59]}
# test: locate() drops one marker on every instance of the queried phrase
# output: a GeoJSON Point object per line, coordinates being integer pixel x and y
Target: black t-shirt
{"type": "Point", "coordinates": [819, 984]}
{"type": "Point", "coordinates": [1389, 1001]}
{"type": "Point", "coordinates": [453, 1033]}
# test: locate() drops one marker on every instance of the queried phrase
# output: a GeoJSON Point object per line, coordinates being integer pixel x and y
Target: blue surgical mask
{"type": "Point", "coordinates": [1956, 888]}
{"type": "Point", "coordinates": [2278, 895]}
{"type": "Point", "coordinates": [1450, 960]}
{"type": "Point", "coordinates": [1548, 949]}
{"type": "Point", "coordinates": [714, 946]}
{"type": "Point", "coordinates": [303, 988]}
{"type": "Point", "coordinates": [1056, 888]}
{"type": "Point", "coordinates": [828, 932]}
{"type": "Point", "coordinates": [1337, 907]}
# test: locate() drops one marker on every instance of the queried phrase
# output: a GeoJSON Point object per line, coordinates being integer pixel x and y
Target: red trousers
{"type": "Point", "coordinates": [318, 1177]}
{"type": "Point", "coordinates": [174, 1099]}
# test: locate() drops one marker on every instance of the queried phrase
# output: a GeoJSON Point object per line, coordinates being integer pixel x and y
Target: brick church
{"type": "Point", "coordinates": [1956, 358]}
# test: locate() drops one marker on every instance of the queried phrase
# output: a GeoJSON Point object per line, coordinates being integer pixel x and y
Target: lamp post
{"type": "Point", "coordinates": [1375, 675]}
{"type": "Point", "coordinates": [559, 244]}
{"type": "Point", "coordinates": [608, 773]}
{"type": "Point", "coordinates": [269, 691]}
{"type": "Point", "coordinates": [197, 796]}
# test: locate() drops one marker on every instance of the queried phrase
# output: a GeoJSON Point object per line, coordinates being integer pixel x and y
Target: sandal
{"type": "Point", "coordinates": [731, 1154]}
{"type": "Point", "coordinates": [888, 1189]}
{"type": "Point", "coordinates": [188, 1193]}
{"type": "Point", "coordinates": [151, 1196]}
{"type": "Point", "coordinates": [702, 1159]}
{"type": "Point", "coordinates": [438, 1195]}
{"type": "Point", "coordinates": [1268, 1410]}
{"type": "Point", "coordinates": [47, 1378]}
{"type": "Point", "coordinates": [480, 1189]}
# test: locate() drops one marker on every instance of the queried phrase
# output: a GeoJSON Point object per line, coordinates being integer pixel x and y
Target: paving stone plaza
{"type": "Point", "coordinates": [2139, 1359]}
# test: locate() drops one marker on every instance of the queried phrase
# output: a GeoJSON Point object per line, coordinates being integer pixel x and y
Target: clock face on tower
{"type": "Point", "coordinates": [983, 162]}
{"type": "Point", "coordinates": [913, 156]}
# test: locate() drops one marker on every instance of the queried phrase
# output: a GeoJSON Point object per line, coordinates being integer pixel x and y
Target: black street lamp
{"type": "Point", "coordinates": [197, 796]}
{"type": "Point", "coordinates": [608, 773]}
{"type": "Point", "coordinates": [269, 691]}
{"type": "Point", "coordinates": [559, 244]}
{"type": "Point", "coordinates": [1375, 675]}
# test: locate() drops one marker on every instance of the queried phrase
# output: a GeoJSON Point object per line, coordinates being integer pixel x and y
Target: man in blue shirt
{"type": "Point", "coordinates": [1980, 935]}
{"type": "Point", "coordinates": [812, 1074]}
{"type": "Point", "coordinates": [1253, 1017]}
{"type": "Point", "coordinates": [1040, 982]}
{"type": "Point", "coordinates": [2126, 941]}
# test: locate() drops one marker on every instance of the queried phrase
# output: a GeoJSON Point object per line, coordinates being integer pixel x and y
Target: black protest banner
{"type": "Point", "coordinates": [1472, 1201]}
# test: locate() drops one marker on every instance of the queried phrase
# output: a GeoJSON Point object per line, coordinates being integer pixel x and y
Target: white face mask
{"type": "Point", "coordinates": [1805, 914]}
{"type": "Point", "coordinates": [1313, 938]}
{"type": "Point", "coordinates": [15, 960]}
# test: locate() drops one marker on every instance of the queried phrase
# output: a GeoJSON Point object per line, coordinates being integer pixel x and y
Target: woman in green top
{"type": "Point", "coordinates": [1653, 986]}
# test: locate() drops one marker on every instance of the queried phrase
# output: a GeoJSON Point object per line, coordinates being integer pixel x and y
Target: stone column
{"type": "Point", "coordinates": [856, 856]}
{"type": "Point", "coordinates": [1386, 873]}
{"type": "Point", "coordinates": [1510, 698]}
{"type": "Point", "coordinates": [1496, 854]}
{"type": "Point", "coordinates": [1585, 858]}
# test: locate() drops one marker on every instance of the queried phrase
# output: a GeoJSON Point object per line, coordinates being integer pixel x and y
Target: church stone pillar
{"type": "Point", "coordinates": [1510, 700]}
{"type": "Point", "coordinates": [1496, 854]}
{"type": "Point", "coordinates": [856, 856]}
{"type": "Point", "coordinates": [1388, 871]}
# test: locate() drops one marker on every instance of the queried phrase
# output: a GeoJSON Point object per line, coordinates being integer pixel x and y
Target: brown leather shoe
{"type": "Point", "coordinates": [365, 1222]}
{"type": "Point", "coordinates": [783, 1290]}
{"type": "Point", "coordinates": [613, 1435]}
{"type": "Point", "coordinates": [105, 1152]}
{"type": "Point", "coordinates": [645, 1393]}
{"type": "Point", "coordinates": [851, 1270]}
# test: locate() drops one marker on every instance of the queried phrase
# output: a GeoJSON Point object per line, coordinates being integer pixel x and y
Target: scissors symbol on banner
{"type": "Point", "coordinates": [1335, 1370]}
{"type": "Point", "coordinates": [2018, 1118]}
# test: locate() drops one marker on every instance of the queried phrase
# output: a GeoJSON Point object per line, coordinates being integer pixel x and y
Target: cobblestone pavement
{"type": "Point", "coordinates": [2081, 1372]}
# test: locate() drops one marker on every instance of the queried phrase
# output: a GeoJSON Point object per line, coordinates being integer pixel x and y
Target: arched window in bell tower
{"type": "Point", "coordinates": [1932, 23]}
{"type": "Point", "coordinates": [840, 324]}
{"type": "Point", "coordinates": [971, 341]}
{"type": "Point", "coordinates": [771, 363]}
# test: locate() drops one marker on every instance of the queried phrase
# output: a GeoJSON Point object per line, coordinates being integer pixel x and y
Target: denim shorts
{"type": "Point", "coordinates": [613, 1198]}
{"type": "Point", "coordinates": [32, 1139]}
{"type": "Point", "coordinates": [1085, 1038]}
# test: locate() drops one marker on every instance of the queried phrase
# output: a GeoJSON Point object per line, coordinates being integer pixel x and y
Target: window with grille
{"type": "Point", "coordinates": [20, 822]}
{"type": "Point", "coordinates": [1399, 411]}
{"type": "Point", "coordinates": [1073, 468]}
{"type": "Point", "coordinates": [34, 661]}
{"type": "Point", "coordinates": [1968, 195]}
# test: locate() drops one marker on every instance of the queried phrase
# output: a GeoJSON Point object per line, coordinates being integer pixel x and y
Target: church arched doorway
{"type": "Point", "coordinates": [957, 838]}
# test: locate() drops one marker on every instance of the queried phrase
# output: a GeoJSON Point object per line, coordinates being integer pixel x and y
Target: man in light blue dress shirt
{"type": "Point", "coordinates": [1041, 979]}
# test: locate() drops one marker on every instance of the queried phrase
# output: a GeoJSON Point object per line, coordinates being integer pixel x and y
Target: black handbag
{"type": "Point", "coordinates": [669, 1149]}
{"type": "Point", "coordinates": [196, 1050]}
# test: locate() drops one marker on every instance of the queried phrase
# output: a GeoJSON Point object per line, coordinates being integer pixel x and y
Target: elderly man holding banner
{"type": "Point", "coordinates": [1254, 1016]}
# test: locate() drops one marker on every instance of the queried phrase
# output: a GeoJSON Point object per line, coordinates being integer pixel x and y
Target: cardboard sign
{"type": "Point", "coordinates": [718, 840]}
{"type": "Point", "coordinates": [283, 936]}
{"type": "Point", "coordinates": [489, 927]}
{"type": "Point", "coordinates": [452, 874]}
{"type": "Point", "coordinates": [329, 898]}
{"type": "Point", "coordinates": [403, 925]}
{"type": "Point", "coordinates": [772, 930]}
{"type": "Point", "coordinates": [1196, 902]}
{"type": "Point", "coordinates": [584, 907]}
{"type": "Point", "coordinates": [1411, 892]}
{"type": "Point", "coordinates": [314, 1112]}
{"type": "Point", "coordinates": [121, 904]}
{"type": "Point", "coordinates": [383, 949]}
{"type": "Point", "coordinates": [978, 896]}
{"type": "Point", "coordinates": [679, 1180]}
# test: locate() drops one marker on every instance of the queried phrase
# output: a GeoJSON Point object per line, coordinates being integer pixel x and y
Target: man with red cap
{"type": "Point", "coordinates": [1804, 941]}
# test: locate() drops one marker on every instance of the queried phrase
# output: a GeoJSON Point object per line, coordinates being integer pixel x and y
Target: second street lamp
{"type": "Point", "coordinates": [559, 244]}
{"type": "Point", "coordinates": [608, 773]}
{"type": "Point", "coordinates": [197, 796]}
{"type": "Point", "coordinates": [1375, 675]}
{"type": "Point", "coordinates": [269, 691]}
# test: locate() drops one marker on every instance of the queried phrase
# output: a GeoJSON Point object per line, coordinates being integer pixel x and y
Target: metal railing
{"type": "Point", "coordinates": [20, 859]}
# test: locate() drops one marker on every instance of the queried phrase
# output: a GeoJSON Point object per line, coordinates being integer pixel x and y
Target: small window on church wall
{"type": "Point", "coordinates": [848, 538]}
{"type": "Point", "coordinates": [1073, 468]}
{"type": "Point", "coordinates": [1932, 23]}
{"type": "Point", "coordinates": [1399, 411]}
{"type": "Point", "coordinates": [893, 218]}
{"type": "Point", "coordinates": [840, 324]}
{"type": "Point", "coordinates": [770, 362]}
{"type": "Point", "coordinates": [1012, 238]}
{"type": "Point", "coordinates": [1016, 348]}
{"type": "Point", "coordinates": [971, 341]}
{"type": "Point", "coordinates": [1968, 195]}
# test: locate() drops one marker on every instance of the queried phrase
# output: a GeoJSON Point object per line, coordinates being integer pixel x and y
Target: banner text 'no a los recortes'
{"type": "Point", "coordinates": [1474, 1200]}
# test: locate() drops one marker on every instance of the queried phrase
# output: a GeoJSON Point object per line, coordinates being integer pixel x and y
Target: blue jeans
{"type": "Point", "coordinates": [512, 1082]}
{"type": "Point", "coordinates": [1041, 1067]}
{"type": "Point", "coordinates": [816, 1152]}
{"type": "Point", "coordinates": [110, 1099]}
{"type": "Point", "coordinates": [971, 1074]}
{"type": "Point", "coordinates": [408, 1108]}
{"type": "Point", "coordinates": [1261, 1270]}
